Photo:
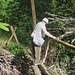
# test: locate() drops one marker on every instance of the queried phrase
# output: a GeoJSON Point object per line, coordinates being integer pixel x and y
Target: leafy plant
{"type": "Point", "coordinates": [16, 49]}
{"type": "Point", "coordinates": [73, 59]}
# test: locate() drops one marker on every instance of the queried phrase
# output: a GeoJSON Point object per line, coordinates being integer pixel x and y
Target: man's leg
{"type": "Point", "coordinates": [37, 54]}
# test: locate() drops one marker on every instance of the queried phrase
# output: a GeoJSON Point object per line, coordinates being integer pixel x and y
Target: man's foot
{"type": "Point", "coordinates": [38, 63]}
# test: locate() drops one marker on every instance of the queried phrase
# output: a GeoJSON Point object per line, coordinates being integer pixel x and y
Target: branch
{"type": "Point", "coordinates": [14, 34]}
{"type": "Point", "coordinates": [73, 41]}
{"type": "Point", "coordinates": [53, 15]}
{"type": "Point", "coordinates": [43, 69]}
{"type": "Point", "coordinates": [61, 28]}
{"type": "Point", "coordinates": [63, 43]}
{"type": "Point", "coordinates": [56, 18]}
{"type": "Point", "coordinates": [46, 51]}
{"type": "Point", "coordinates": [11, 37]}
{"type": "Point", "coordinates": [67, 34]}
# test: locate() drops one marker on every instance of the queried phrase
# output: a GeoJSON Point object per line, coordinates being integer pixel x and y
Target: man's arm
{"type": "Point", "coordinates": [47, 33]}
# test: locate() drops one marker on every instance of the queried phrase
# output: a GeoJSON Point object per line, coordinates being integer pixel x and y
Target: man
{"type": "Point", "coordinates": [37, 39]}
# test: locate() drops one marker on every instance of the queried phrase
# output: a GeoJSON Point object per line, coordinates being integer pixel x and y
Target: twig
{"type": "Point", "coordinates": [73, 40]}
{"type": "Point", "coordinates": [4, 69]}
{"type": "Point", "coordinates": [46, 51]}
{"type": "Point", "coordinates": [66, 34]}
{"type": "Point", "coordinates": [51, 66]}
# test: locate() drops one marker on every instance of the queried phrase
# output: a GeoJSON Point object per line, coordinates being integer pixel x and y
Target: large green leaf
{"type": "Point", "coordinates": [3, 26]}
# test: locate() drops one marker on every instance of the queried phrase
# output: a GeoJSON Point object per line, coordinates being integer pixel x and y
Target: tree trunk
{"type": "Point", "coordinates": [33, 13]}
{"type": "Point", "coordinates": [53, 7]}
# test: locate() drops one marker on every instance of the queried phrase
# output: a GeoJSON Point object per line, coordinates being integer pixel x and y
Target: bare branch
{"type": "Point", "coordinates": [73, 40]}
{"type": "Point", "coordinates": [66, 34]}
{"type": "Point", "coordinates": [46, 51]}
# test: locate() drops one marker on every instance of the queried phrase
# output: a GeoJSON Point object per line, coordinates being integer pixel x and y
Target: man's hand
{"type": "Point", "coordinates": [58, 38]}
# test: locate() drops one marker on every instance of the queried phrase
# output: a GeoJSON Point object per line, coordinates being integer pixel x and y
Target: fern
{"type": "Point", "coordinates": [4, 26]}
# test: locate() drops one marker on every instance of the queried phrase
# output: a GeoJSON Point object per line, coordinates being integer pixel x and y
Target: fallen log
{"type": "Point", "coordinates": [43, 69]}
{"type": "Point", "coordinates": [36, 70]}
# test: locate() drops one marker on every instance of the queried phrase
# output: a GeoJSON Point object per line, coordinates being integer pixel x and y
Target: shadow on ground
{"type": "Point", "coordinates": [23, 65]}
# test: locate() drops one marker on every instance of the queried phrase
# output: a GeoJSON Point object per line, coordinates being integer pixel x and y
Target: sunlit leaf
{"type": "Point", "coordinates": [5, 24]}
{"type": "Point", "coordinates": [4, 28]}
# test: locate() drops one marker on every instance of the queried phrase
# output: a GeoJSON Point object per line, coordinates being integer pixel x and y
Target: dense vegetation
{"type": "Point", "coordinates": [17, 13]}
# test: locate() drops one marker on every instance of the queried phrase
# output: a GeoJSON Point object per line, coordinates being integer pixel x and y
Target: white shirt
{"type": "Point", "coordinates": [40, 30]}
{"type": "Point", "coordinates": [38, 33]}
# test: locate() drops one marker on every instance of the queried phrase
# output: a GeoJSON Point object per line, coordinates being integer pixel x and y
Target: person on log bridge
{"type": "Point", "coordinates": [37, 39]}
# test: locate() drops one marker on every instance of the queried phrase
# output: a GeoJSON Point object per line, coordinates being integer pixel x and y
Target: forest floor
{"type": "Point", "coordinates": [23, 66]}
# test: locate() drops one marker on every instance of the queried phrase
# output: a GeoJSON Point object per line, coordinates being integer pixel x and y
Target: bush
{"type": "Point", "coordinates": [16, 49]}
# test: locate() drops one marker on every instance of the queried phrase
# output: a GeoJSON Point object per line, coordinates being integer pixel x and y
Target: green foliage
{"type": "Point", "coordinates": [18, 13]}
{"type": "Point", "coordinates": [66, 56]}
{"type": "Point", "coordinates": [24, 35]}
{"type": "Point", "coordinates": [73, 59]}
{"type": "Point", "coordinates": [16, 49]}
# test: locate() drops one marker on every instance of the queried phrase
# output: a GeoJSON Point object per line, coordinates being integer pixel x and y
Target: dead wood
{"type": "Point", "coordinates": [43, 69]}
{"type": "Point", "coordinates": [67, 34]}
{"type": "Point", "coordinates": [5, 61]}
{"type": "Point", "coordinates": [14, 34]}
{"type": "Point", "coordinates": [46, 51]}
{"type": "Point", "coordinates": [13, 65]}
{"type": "Point", "coordinates": [68, 21]}
{"type": "Point", "coordinates": [36, 70]}
{"type": "Point", "coordinates": [11, 37]}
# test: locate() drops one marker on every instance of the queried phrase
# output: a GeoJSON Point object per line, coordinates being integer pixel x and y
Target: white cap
{"type": "Point", "coordinates": [45, 20]}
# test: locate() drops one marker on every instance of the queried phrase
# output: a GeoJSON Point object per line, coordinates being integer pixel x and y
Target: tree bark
{"type": "Point", "coordinates": [33, 13]}
{"type": "Point", "coordinates": [53, 7]}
